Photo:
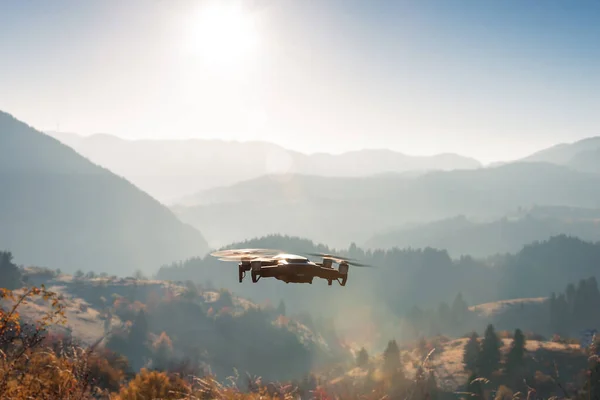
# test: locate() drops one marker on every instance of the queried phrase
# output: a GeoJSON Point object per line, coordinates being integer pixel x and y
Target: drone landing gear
{"type": "Point", "coordinates": [329, 282]}
{"type": "Point", "coordinates": [255, 277]}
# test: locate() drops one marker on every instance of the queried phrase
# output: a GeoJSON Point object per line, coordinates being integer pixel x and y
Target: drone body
{"type": "Point", "coordinates": [289, 268]}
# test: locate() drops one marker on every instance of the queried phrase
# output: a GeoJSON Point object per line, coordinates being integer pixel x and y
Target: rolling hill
{"type": "Point", "coordinates": [59, 210]}
{"type": "Point", "coordinates": [175, 170]}
{"type": "Point", "coordinates": [338, 211]}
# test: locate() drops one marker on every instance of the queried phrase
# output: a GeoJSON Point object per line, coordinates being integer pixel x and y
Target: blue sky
{"type": "Point", "coordinates": [490, 79]}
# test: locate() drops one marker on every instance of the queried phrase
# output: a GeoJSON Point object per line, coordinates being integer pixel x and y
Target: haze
{"type": "Point", "coordinates": [490, 80]}
{"type": "Point", "coordinates": [446, 152]}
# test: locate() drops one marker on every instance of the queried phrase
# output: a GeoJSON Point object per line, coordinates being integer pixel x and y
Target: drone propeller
{"type": "Point", "coordinates": [246, 258]}
{"type": "Point", "coordinates": [244, 254]}
{"type": "Point", "coordinates": [340, 259]}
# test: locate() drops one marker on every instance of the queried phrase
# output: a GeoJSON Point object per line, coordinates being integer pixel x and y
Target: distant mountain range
{"type": "Point", "coordinates": [58, 209]}
{"type": "Point", "coordinates": [235, 190]}
{"type": "Point", "coordinates": [563, 153]}
{"type": "Point", "coordinates": [172, 171]}
{"type": "Point", "coordinates": [338, 211]}
{"type": "Point", "coordinates": [461, 236]}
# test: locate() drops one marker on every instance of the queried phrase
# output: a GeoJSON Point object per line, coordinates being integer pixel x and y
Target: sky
{"type": "Point", "coordinates": [495, 80]}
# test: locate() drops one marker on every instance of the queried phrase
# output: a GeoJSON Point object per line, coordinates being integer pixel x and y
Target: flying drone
{"type": "Point", "coordinates": [289, 268]}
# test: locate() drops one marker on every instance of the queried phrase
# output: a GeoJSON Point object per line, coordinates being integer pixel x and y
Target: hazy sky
{"type": "Point", "coordinates": [492, 79]}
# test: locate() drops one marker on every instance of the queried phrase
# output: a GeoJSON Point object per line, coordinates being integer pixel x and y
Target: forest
{"type": "Point", "coordinates": [156, 335]}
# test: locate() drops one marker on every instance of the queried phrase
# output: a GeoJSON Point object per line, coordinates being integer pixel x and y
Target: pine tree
{"type": "Point", "coordinates": [391, 358]}
{"type": "Point", "coordinates": [432, 387]}
{"type": "Point", "coordinates": [11, 276]}
{"type": "Point", "coordinates": [471, 353]}
{"type": "Point", "coordinates": [138, 335]}
{"type": "Point", "coordinates": [281, 308]}
{"type": "Point", "coordinates": [459, 311]}
{"type": "Point", "coordinates": [362, 358]}
{"type": "Point", "coordinates": [489, 358]}
{"type": "Point", "coordinates": [515, 359]}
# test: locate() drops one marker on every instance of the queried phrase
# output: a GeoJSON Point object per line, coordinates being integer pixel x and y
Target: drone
{"type": "Point", "coordinates": [289, 268]}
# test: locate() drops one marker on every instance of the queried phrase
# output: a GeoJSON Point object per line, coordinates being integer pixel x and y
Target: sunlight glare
{"type": "Point", "coordinates": [222, 35]}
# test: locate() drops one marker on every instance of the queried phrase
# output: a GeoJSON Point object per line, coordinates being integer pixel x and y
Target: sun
{"type": "Point", "coordinates": [222, 35]}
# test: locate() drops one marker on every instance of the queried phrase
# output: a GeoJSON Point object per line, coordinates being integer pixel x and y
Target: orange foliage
{"type": "Point", "coordinates": [154, 385]}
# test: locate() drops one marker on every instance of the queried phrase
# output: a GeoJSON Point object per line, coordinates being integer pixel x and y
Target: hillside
{"type": "Point", "coordinates": [174, 170]}
{"type": "Point", "coordinates": [204, 326]}
{"type": "Point", "coordinates": [460, 235]}
{"type": "Point", "coordinates": [339, 211]}
{"type": "Point", "coordinates": [59, 210]}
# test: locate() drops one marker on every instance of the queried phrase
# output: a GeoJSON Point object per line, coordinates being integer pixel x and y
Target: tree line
{"type": "Point", "coordinates": [408, 277]}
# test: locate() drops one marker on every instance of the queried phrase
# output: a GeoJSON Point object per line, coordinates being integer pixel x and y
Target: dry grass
{"type": "Point", "coordinates": [492, 309]}
{"type": "Point", "coordinates": [83, 320]}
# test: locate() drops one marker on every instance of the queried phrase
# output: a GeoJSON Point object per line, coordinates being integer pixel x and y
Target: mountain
{"type": "Point", "coordinates": [338, 211]}
{"type": "Point", "coordinates": [460, 235]}
{"type": "Point", "coordinates": [582, 155]}
{"type": "Point", "coordinates": [174, 170]}
{"type": "Point", "coordinates": [60, 210]}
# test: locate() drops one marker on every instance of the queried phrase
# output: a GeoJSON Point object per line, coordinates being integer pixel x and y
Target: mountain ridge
{"type": "Point", "coordinates": [565, 153]}
{"type": "Point", "coordinates": [173, 170]}
{"type": "Point", "coordinates": [349, 209]}
{"type": "Point", "coordinates": [61, 210]}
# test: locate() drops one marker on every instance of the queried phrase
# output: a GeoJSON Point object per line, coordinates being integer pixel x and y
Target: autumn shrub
{"type": "Point", "coordinates": [154, 385]}
{"type": "Point", "coordinates": [29, 370]}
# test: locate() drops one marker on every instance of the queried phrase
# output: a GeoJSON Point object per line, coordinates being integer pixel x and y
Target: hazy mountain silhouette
{"type": "Point", "coordinates": [588, 160]}
{"type": "Point", "coordinates": [170, 170]}
{"type": "Point", "coordinates": [583, 155]}
{"type": "Point", "coordinates": [338, 211]}
{"type": "Point", "coordinates": [461, 236]}
{"type": "Point", "coordinates": [58, 209]}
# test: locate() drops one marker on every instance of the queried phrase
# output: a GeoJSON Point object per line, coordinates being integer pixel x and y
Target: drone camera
{"type": "Point", "coordinates": [343, 268]}
{"type": "Point", "coordinates": [255, 265]}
